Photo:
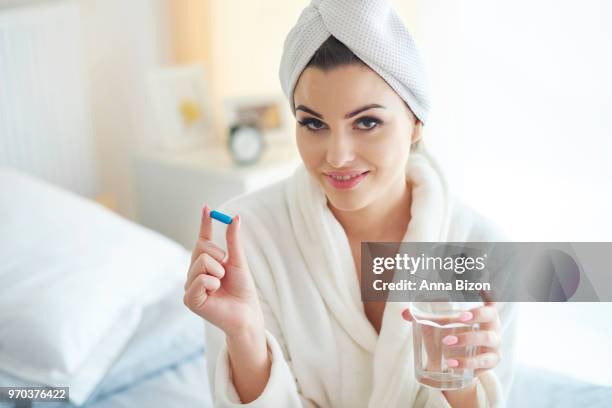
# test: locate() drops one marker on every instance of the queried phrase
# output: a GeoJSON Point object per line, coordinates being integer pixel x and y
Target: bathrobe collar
{"type": "Point", "coordinates": [327, 252]}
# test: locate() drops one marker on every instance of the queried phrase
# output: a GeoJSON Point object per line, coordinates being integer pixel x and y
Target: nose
{"type": "Point", "coordinates": [340, 150]}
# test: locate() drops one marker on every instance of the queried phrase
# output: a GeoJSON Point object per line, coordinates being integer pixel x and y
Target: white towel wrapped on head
{"type": "Point", "coordinates": [372, 30]}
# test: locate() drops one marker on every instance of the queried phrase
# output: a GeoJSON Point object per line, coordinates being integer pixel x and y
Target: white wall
{"type": "Point", "coordinates": [124, 40]}
{"type": "Point", "coordinates": [522, 115]}
{"type": "Point", "coordinates": [522, 121]}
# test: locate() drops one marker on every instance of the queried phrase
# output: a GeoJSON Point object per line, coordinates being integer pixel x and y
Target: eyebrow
{"type": "Point", "coordinates": [347, 116]}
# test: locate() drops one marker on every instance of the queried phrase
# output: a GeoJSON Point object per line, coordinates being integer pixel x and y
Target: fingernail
{"type": "Point", "coordinates": [465, 316]}
{"type": "Point", "coordinates": [450, 340]}
{"type": "Point", "coordinates": [452, 363]}
{"type": "Point", "coordinates": [237, 221]}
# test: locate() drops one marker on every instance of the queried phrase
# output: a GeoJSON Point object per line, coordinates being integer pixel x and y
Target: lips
{"type": "Point", "coordinates": [346, 180]}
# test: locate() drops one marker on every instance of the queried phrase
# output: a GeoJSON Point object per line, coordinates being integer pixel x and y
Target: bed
{"type": "Point", "coordinates": [93, 301]}
{"type": "Point", "coordinates": [162, 366]}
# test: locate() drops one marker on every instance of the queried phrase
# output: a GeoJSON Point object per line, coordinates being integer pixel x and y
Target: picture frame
{"type": "Point", "coordinates": [268, 113]}
{"type": "Point", "coordinates": [181, 104]}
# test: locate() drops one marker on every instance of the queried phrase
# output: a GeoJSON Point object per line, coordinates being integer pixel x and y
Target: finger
{"type": "Point", "coordinates": [481, 350]}
{"type": "Point", "coordinates": [483, 338]}
{"type": "Point", "coordinates": [204, 264]}
{"type": "Point", "coordinates": [497, 350]}
{"type": "Point", "coordinates": [198, 267]}
{"type": "Point", "coordinates": [484, 361]}
{"type": "Point", "coordinates": [210, 248]}
{"type": "Point", "coordinates": [206, 224]}
{"type": "Point", "coordinates": [213, 267]}
{"type": "Point", "coordinates": [407, 315]}
{"type": "Point", "coordinates": [235, 255]}
{"type": "Point", "coordinates": [198, 291]}
{"type": "Point", "coordinates": [482, 314]}
{"type": "Point", "coordinates": [490, 323]}
{"type": "Point", "coordinates": [210, 283]}
{"type": "Point", "coordinates": [495, 325]}
{"type": "Point", "coordinates": [487, 297]}
{"type": "Point", "coordinates": [205, 232]}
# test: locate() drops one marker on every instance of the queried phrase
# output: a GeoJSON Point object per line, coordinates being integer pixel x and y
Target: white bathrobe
{"type": "Point", "coordinates": [324, 351]}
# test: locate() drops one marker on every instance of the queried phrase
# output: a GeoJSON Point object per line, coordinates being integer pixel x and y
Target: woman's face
{"type": "Point", "coordinates": [352, 123]}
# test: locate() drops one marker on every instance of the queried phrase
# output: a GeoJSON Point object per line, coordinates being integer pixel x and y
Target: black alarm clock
{"type": "Point", "coordinates": [246, 144]}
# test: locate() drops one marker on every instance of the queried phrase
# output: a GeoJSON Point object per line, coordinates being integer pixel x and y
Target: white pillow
{"type": "Point", "coordinates": [74, 278]}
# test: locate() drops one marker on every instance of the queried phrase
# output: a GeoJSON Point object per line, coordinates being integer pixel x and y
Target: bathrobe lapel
{"type": "Point", "coordinates": [394, 380]}
{"type": "Point", "coordinates": [327, 252]}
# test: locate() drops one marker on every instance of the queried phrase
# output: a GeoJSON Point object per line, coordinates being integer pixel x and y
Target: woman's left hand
{"type": "Point", "coordinates": [487, 339]}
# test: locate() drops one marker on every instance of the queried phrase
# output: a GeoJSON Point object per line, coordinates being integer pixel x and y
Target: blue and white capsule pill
{"type": "Point", "coordinates": [219, 216]}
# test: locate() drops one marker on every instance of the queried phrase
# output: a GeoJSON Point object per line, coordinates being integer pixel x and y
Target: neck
{"type": "Point", "coordinates": [386, 219]}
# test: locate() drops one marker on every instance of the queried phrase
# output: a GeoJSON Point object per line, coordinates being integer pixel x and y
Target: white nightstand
{"type": "Point", "coordinates": [172, 187]}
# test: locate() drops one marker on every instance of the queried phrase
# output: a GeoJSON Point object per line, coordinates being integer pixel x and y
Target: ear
{"type": "Point", "coordinates": [417, 131]}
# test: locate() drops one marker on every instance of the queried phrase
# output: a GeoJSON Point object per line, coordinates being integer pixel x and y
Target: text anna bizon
{"type": "Point", "coordinates": [408, 285]}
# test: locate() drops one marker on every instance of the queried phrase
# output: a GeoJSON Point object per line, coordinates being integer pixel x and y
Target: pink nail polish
{"type": "Point", "coordinates": [452, 363]}
{"type": "Point", "coordinates": [450, 340]}
{"type": "Point", "coordinates": [465, 316]}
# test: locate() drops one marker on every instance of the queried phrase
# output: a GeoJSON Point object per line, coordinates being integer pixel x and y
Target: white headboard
{"type": "Point", "coordinates": [45, 122]}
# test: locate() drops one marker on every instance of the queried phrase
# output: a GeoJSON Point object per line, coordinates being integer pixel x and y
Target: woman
{"type": "Point", "coordinates": [286, 326]}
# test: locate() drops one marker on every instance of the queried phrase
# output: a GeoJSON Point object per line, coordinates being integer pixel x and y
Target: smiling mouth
{"type": "Point", "coordinates": [343, 182]}
{"type": "Point", "coordinates": [345, 176]}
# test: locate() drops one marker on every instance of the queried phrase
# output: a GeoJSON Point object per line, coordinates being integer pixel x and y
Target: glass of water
{"type": "Point", "coordinates": [432, 321]}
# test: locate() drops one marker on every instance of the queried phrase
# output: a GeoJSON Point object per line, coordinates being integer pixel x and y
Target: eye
{"type": "Point", "coordinates": [368, 122]}
{"type": "Point", "coordinates": [312, 124]}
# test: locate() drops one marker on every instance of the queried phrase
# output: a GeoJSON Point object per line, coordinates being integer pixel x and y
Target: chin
{"type": "Point", "coordinates": [347, 201]}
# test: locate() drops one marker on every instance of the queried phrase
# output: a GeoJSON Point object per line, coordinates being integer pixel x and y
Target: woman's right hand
{"type": "Point", "coordinates": [220, 288]}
